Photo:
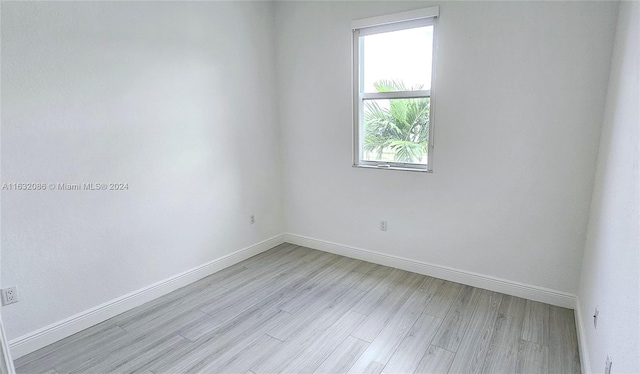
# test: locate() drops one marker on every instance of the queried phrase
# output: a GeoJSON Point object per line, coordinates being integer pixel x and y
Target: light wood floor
{"type": "Point", "coordinates": [296, 310]}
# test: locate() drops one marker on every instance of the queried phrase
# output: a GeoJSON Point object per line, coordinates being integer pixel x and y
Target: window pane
{"type": "Point", "coordinates": [398, 60]}
{"type": "Point", "coordinates": [396, 130]}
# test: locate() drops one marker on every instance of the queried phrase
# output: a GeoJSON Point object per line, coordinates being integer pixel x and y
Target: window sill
{"type": "Point", "coordinates": [396, 168]}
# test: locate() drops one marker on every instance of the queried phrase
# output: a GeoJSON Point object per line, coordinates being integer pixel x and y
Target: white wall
{"type": "Point", "coordinates": [176, 99]}
{"type": "Point", "coordinates": [519, 102]}
{"type": "Point", "coordinates": [611, 265]}
{"type": "Point", "coordinates": [6, 364]}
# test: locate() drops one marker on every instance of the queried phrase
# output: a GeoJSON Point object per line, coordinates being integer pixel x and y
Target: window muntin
{"type": "Point", "coordinates": [393, 104]}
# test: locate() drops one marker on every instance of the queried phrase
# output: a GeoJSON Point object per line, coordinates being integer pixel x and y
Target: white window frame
{"type": "Point", "coordinates": [382, 24]}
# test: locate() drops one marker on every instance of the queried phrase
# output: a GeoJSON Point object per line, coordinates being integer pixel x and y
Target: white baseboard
{"type": "Point", "coordinates": [69, 326]}
{"type": "Point", "coordinates": [585, 364]}
{"type": "Point", "coordinates": [526, 291]}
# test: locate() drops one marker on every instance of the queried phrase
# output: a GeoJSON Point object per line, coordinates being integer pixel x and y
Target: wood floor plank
{"type": "Point", "coordinates": [435, 361]}
{"type": "Point", "coordinates": [308, 261]}
{"type": "Point", "coordinates": [251, 357]}
{"type": "Point", "coordinates": [373, 367]}
{"type": "Point", "coordinates": [142, 362]}
{"type": "Point", "coordinates": [536, 323]}
{"type": "Point", "coordinates": [443, 298]}
{"type": "Point", "coordinates": [282, 264]}
{"type": "Point", "coordinates": [235, 302]}
{"type": "Point", "coordinates": [319, 350]}
{"type": "Point", "coordinates": [367, 267]}
{"type": "Point", "coordinates": [305, 336]}
{"type": "Point", "coordinates": [172, 322]}
{"type": "Point", "coordinates": [314, 262]}
{"type": "Point", "coordinates": [365, 281]}
{"type": "Point", "coordinates": [274, 254]}
{"type": "Point", "coordinates": [41, 371]}
{"type": "Point", "coordinates": [329, 275]}
{"type": "Point", "coordinates": [427, 285]}
{"type": "Point", "coordinates": [315, 299]}
{"type": "Point", "coordinates": [214, 279]}
{"type": "Point", "coordinates": [502, 356]}
{"type": "Point", "coordinates": [259, 321]}
{"type": "Point", "coordinates": [323, 308]}
{"type": "Point", "coordinates": [563, 342]}
{"type": "Point", "coordinates": [81, 347]}
{"type": "Point", "coordinates": [378, 317]}
{"type": "Point", "coordinates": [232, 336]}
{"type": "Point", "coordinates": [413, 347]}
{"type": "Point", "coordinates": [238, 360]}
{"type": "Point", "coordinates": [122, 344]}
{"type": "Point", "coordinates": [366, 278]}
{"type": "Point", "coordinates": [457, 320]}
{"type": "Point", "coordinates": [148, 308]}
{"type": "Point", "coordinates": [390, 338]}
{"type": "Point", "coordinates": [167, 311]}
{"type": "Point", "coordinates": [159, 314]}
{"type": "Point", "coordinates": [343, 356]}
{"type": "Point", "coordinates": [473, 349]}
{"type": "Point", "coordinates": [268, 306]}
{"type": "Point", "coordinates": [311, 290]}
{"type": "Point", "coordinates": [513, 306]}
{"type": "Point", "coordinates": [372, 298]}
{"type": "Point", "coordinates": [328, 264]}
{"type": "Point", "coordinates": [161, 363]}
{"type": "Point", "coordinates": [134, 356]}
{"type": "Point", "coordinates": [532, 358]}
{"type": "Point", "coordinates": [45, 358]}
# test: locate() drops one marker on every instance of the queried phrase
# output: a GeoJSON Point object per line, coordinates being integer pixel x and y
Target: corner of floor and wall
{"type": "Point", "coordinates": [224, 131]}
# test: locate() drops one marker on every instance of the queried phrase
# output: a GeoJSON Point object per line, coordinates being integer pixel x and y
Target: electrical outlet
{"type": "Point", "coordinates": [252, 219]}
{"type": "Point", "coordinates": [383, 225]}
{"type": "Point", "coordinates": [10, 295]}
{"type": "Point", "coordinates": [607, 365]}
{"type": "Point", "coordinates": [595, 318]}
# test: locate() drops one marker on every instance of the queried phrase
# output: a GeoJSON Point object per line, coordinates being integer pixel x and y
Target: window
{"type": "Point", "coordinates": [393, 62]}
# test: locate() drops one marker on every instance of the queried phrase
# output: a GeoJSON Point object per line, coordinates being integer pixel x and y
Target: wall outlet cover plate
{"type": "Point", "coordinates": [10, 295]}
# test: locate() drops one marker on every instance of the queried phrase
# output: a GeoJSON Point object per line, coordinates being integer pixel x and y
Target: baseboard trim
{"type": "Point", "coordinates": [76, 323]}
{"type": "Point", "coordinates": [526, 291]}
{"type": "Point", "coordinates": [585, 364]}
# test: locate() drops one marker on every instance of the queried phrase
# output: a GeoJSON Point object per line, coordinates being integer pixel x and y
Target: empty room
{"type": "Point", "coordinates": [320, 187]}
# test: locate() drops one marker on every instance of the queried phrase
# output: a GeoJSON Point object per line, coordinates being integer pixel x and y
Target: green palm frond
{"type": "Point", "coordinates": [401, 128]}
